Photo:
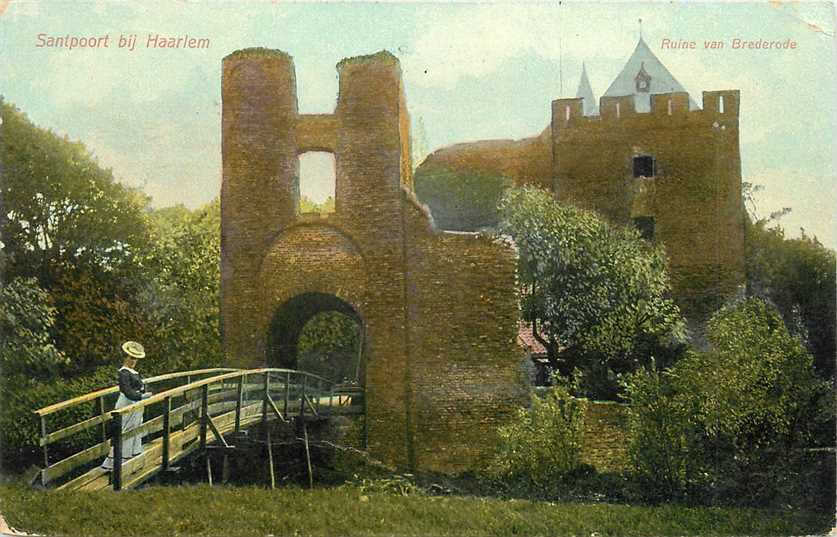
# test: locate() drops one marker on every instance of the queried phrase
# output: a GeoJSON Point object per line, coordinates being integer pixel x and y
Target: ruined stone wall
{"type": "Point", "coordinates": [694, 195]}
{"type": "Point", "coordinates": [466, 378]}
{"type": "Point", "coordinates": [605, 436]}
{"type": "Point", "coordinates": [524, 162]}
{"type": "Point", "coordinates": [438, 311]}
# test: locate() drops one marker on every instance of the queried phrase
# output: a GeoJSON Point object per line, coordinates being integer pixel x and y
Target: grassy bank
{"type": "Point", "coordinates": [201, 510]}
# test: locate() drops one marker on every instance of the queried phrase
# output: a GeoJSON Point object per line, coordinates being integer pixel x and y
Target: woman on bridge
{"type": "Point", "coordinates": [131, 390]}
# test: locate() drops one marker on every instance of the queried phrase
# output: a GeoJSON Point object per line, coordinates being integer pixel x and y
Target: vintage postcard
{"type": "Point", "coordinates": [356, 268]}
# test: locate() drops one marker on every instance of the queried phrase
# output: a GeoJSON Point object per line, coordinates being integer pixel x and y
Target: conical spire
{"type": "Point", "coordinates": [585, 91]}
{"type": "Point", "coordinates": [643, 67]}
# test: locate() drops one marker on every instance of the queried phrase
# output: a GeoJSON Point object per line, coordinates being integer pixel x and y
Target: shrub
{"type": "Point", "coordinates": [20, 428]}
{"type": "Point", "coordinates": [26, 318]}
{"type": "Point", "coordinates": [541, 448]}
{"type": "Point", "coordinates": [728, 424]}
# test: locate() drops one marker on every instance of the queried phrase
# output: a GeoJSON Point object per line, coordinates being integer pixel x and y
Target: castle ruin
{"type": "Point", "coordinates": [437, 309]}
{"type": "Point", "coordinates": [644, 155]}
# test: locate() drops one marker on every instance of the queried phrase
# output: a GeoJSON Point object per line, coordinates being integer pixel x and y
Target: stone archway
{"type": "Point", "coordinates": [439, 310]}
{"type": "Point", "coordinates": [286, 344]}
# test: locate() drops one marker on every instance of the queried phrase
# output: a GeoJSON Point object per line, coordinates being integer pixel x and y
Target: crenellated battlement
{"type": "Point", "coordinates": [567, 113]}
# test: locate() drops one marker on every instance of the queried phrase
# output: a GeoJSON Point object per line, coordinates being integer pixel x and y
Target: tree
{"type": "Point", "coordinates": [66, 222]}
{"type": "Point", "coordinates": [460, 202]}
{"type": "Point", "coordinates": [59, 209]}
{"type": "Point", "coordinates": [182, 299]}
{"type": "Point", "coordinates": [729, 422]}
{"type": "Point", "coordinates": [26, 318]}
{"type": "Point", "coordinates": [798, 276]}
{"type": "Point", "coordinates": [539, 451]}
{"type": "Point", "coordinates": [306, 205]}
{"type": "Point", "coordinates": [598, 295]}
{"type": "Point", "coordinates": [329, 346]}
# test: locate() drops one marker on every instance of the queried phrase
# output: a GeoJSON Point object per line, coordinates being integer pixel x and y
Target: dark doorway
{"type": "Point", "coordinates": [318, 333]}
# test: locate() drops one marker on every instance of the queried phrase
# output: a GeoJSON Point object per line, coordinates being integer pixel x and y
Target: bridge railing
{"type": "Point", "coordinates": [221, 402]}
{"type": "Point", "coordinates": [102, 401]}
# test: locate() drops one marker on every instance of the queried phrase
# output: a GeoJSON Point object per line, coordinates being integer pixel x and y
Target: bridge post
{"type": "Point", "coordinates": [265, 397]}
{"type": "Point", "coordinates": [204, 415]}
{"type": "Point", "coordinates": [238, 404]}
{"type": "Point", "coordinates": [302, 397]}
{"type": "Point", "coordinates": [166, 432]}
{"type": "Point", "coordinates": [102, 413]}
{"type": "Point", "coordinates": [43, 442]}
{"type": "Point", "coordinates": [287, 392]}
{"type": "Point", "coordinates": [116, 442]}
{"type": "Point", "coordinates": [266, 430]}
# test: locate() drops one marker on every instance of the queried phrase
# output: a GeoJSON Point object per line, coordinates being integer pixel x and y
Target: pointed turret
{"type": "Point", "coordinates": [642, 76]}
{"type": "Point", "coordinates": [585, 91]}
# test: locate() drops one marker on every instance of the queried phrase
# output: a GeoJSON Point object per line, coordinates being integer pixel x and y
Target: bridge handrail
{"type": "Point", "coordinates": [312, 392]}
{"type": "Point", "coordinates": [55, 407]}
{"type": "Point", "coordinates": [179, 390]}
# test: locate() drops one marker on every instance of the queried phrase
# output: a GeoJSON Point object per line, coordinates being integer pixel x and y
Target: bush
{"type": "Point", "coordinates": [20, 428]}
{"type": "Point", "coordinates": [730, 424]}
{"type": "Point", "coordinates": [26, 318]}
{"type": "Point", "coordinates": [540, 450]}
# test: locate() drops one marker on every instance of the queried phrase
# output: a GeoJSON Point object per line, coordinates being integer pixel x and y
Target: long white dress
{"type": "Point", "coordinates": [131, 447]}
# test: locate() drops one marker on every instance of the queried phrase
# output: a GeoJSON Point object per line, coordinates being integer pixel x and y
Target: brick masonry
{"type": "Point", "coordinates": [605, 438]}
{"type": "Point", "coordinates": [694, 195]}
{"type": "Point", "coordinates": [438, 309]}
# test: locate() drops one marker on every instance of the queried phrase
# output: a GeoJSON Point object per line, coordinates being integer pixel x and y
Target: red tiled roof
{"type": "Point", "coordinates": [527, 340]}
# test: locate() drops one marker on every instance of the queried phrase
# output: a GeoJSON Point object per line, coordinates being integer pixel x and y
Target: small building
{"type": "Point", "coordinates": [536, 361]}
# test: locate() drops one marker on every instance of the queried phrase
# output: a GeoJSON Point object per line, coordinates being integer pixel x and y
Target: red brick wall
{"type": "Point", "coordinates": [439, 310]}
{"type": "Point", "coordinates": [695, 196]}
{"type": "Point", "coordinates": [525, 162]}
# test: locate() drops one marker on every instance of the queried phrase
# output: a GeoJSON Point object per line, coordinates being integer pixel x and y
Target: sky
{"type": "Point", "coordinates": [471, 71]}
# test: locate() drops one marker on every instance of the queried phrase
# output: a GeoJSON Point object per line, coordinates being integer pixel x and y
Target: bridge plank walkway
{"type": "Point", "coordinates": [224, 406]}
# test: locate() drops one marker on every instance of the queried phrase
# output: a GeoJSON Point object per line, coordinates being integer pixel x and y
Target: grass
{"type": "Point", "coordinates": [204, 510]}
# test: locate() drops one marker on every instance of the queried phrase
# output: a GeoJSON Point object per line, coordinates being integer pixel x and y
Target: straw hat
{"type": "Point", "coordinates": [133, 349]}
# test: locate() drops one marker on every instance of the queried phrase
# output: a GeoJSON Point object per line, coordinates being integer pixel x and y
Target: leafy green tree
{"type": "Point", "coordinates": [59, 209]}
{"type": "Point", "coordinates": [460, 202]}
{"type": "Point", "coordinates": [328, 346]}
{"type": "Point", "coordinates": [66, 222]}
{"type": "Point", "coordinates": [306, 205]}
{"type": "Point", "coordinates": [730, 422]}
{"type": "Point", "coordinates": [798, 275]}
{"type": "Point", "coordinates": [598, 295]}
{"type": "Point", "coordinates": [182, 299]}
{"type": "Point", "coordinates": [26, 318]}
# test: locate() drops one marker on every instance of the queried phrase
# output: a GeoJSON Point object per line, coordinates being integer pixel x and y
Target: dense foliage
{"type": "Point", "coordinates": [799, 276]}
{"type": "Point", "coordinates": [329, 346]}
{"type": "Point", "coordinates": [67, 223]}
{"type": "Point", "coordinates": [598, 294]}
{"type": "Point", "coordinates": [731, 423]}
{"type": "Point", "coordinates": [306, 205]}
{"type": "Point", "coordinates": [460, 202]}
{"type": "Point", "coordinates": [540, 449]}
{"type": "Point", "coordinates": [26, 318]}
{"type": "Point", "coordinates": [182, 295]}
{"type": "Point", "coordinates": [87, 264]}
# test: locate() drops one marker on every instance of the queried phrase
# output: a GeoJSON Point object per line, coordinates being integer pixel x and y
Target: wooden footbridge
{"type": "Point", "coordinates": [189, 412]}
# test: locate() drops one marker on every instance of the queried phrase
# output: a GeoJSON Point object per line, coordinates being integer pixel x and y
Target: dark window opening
{"type": "Point", "coordinates": [644, 166]}
{"type": "Point", "coordinates": [645, 226]}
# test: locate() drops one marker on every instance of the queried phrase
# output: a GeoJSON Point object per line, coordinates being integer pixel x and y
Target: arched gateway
{"type": "Point", "coordinates": [437, 310]}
